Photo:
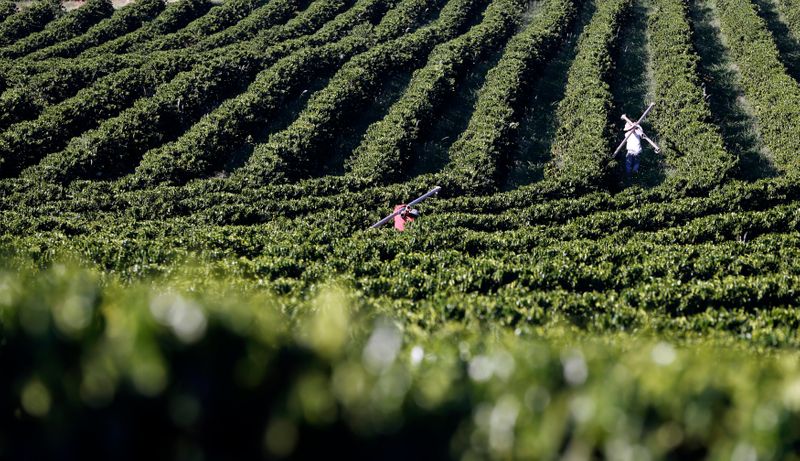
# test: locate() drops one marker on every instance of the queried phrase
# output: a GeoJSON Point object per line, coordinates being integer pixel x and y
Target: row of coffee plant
{"type": "Point", "coordinates": [155, 81]}
{"type": "Point", "coordinates": [385, 149]}
{"type": "Point", "coordinates": [590, 216]}
{"type": "Point", "coordinates": [771, 92]}
{"type": "Point", "coordinates": [581, 150]}
{"type": "Point", "coordinates": [471, 235]}
{"type": "Point", "coordinates": [175, 16]}
{"type": "Point", "coordinates": [122, 22]}
{"type": "Point", "coordinates": [34, 86]}
{"type": "Point", "coordinates": [71, 25]}
{"type": "Point", "coordinates": [292, 153]}
{"type": "Point", "coordinates": [26, 142]}
{"type": "Point", "coordinates": [692, 143]}
{"type": "Point", "coordinates": [217, 202]}
{"type": "Point", "coordinates": [685, 277]}
{"type": "Point", "coordinates": [790, 9]}
{"type": "Point", "coordinates": [65, 77]}
{"type": "Point", "coordinates": [251, 26]}
{"type": "Point", "coordinates": [477, 156]}
{"type": "Point", "coordinates": [27, 100]}
{"type": "Point", "coordinates": [221, 78]}
{"type": "Point", "coordinates": [208, 143]}
{"type": "Point", "coordinates": [733, 214]}
{"type": "Point", "coordinates": [218, 18]}
{"type": "Point", "coordinates": [199, 28]}
{"type": "Point", "coordinates": [602, 211]}
{"type": "Point", "coordinates": [29, 20]}
{"type": "Point", "coordinates": [263, 17]}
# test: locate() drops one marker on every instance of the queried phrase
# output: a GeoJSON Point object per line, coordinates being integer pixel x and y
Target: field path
{"type": "Point", "coordinates": [633, 88]}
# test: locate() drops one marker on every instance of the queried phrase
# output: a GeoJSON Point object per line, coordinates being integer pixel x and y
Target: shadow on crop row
{"type": "Point", "coordinates": [728, 105]}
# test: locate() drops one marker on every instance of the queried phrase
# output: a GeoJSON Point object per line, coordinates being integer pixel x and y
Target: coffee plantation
{"type": "Point", "coordinates": [187, 269]}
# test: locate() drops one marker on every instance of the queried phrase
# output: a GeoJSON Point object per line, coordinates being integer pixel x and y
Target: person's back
{"type": "Point", "coordinates": [404, 216]}
{"type": "Point", "coordinates": [634, 147]}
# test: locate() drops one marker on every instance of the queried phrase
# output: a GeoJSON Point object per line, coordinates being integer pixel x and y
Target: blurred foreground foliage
{"type": "Point", "coordinates": [193, 367]}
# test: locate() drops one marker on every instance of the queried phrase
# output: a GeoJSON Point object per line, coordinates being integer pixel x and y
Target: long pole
{"type": "Point", "coordinates": [383, 221]}
{"type": "Point", "coordinates": [647, 111]}
{"type": "Point", "coordinates": [644, 135]}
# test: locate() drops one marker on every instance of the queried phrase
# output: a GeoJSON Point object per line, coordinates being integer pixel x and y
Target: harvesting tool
{"type": "Point", "coordinates": [428, 194]}
{"type": "Point", "coordinates": [636, 123]}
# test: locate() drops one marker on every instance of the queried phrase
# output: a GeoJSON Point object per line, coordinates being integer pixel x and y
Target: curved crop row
{"type": "Point", "coordinates": [385, 147]}
{"type": "Point", "coordinates": [117, 53]}
{"type": "Point", "coordinates": [176, 104]}
{"type": "Point", "coordinates": [257, 25]}
{"type": "Point", "coordinates": [65, 77]}
{"type": "Point", "coordinates": [72, 24]}
{"type": "Point", "coordinates": [490, 280]}
{"type": "Point", "coordinates": [175, 16]}
{"type": "Point", "coordinates": [723, 302]}
{"type": "Point", "coordinates": [476, 155]}
{"type": "Point", "coordinates": [249, 27]}
{"type": "Point", "coordinates": [741, 213]}
{"type": "Point", "coordinates": [444, 231]}
{"type": "Point", "coordinates": [581, 153]}
{"type": "Point", "coordinates": [541, 193]}
{"type": "Point", "coordinates": [29, 20]}
{"type": "Point", "coordinates": [772, 93]}
{"type": "Point", "coordinates": [602, 212]}
{"type": "Point", "coordinates": [290, 153]}
{"type": "Point", "coordinates": [465, 265]}
{"type": "Point", "coordinates": [691, 142]}
{"type": "Point", "coordinates": [259, 28]}
{"type": "Point", "coordinates": [25, 143]}
{"type": "Point", "coordinates": [485, 275]}
{"type": "Point", "coordinates": [123, 21]}
{"type": "Point", "coordinates": [685, 221]}
{"type": "Point", "coordinates": [26, 102]}
{"type": "Point", "coordinates": [218, 18]}
{"type": "Point", "coordinates": [624, 246]}
{"type": "Point", "coordinates": [206, 144]}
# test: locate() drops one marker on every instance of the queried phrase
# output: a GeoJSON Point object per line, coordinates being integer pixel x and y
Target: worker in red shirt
{"type": "Point", "coordinates": [404, 216]}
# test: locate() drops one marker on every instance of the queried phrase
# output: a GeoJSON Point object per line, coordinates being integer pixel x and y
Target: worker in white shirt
{"type": "Point", "coordinates": [634, 145]}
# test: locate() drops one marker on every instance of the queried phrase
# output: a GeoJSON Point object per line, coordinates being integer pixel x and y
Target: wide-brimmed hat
{"type": "Point", "coordinates": [413, 212]}
{"type": "Point", "coordinates": [629, 126]}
